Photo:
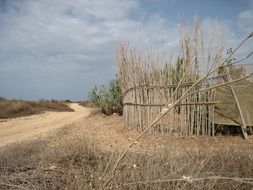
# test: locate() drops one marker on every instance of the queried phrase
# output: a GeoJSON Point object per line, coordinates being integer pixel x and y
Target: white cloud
{"type": "Point", "coordinates": [245, 21]}
{"type": "Point", "coordinates": [67, 28]}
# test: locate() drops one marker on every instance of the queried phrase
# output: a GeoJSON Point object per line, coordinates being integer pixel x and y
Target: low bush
{"type": "Point", "coordinates": [17, 108]}
{"type": "Point", "coordinates": [108, 98]}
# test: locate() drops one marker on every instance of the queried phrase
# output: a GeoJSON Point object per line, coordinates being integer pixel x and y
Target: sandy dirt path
{"type": "Point", "coordinates": [23, 128]}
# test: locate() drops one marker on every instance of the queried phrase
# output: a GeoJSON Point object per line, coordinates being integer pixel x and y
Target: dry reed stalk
{"type": "Point", "coordinates": [191, 180]}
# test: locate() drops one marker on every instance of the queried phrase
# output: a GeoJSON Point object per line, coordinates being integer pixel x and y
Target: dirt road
{"type": "Point", "coordinates": [13, 130]}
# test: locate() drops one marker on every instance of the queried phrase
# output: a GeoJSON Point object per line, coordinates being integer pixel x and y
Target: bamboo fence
{"type": "Point", "coordinates": [147, 86]}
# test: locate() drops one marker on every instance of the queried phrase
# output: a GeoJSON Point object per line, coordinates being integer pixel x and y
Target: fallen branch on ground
{"type": "Point", "coordinates": [190, 180]}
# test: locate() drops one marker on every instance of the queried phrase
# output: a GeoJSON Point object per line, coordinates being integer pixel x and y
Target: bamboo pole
{"type": "Point", "coordinates": [179, 104]}
{"type": "Point", "coordinates": [243, 126]}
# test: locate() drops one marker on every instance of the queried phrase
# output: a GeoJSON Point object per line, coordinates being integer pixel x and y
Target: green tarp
{"type": "Point", "coordinates": [226, 112]}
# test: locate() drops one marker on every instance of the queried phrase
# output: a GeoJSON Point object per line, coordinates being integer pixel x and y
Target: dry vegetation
{"type": "Point", "coordinates": [86, 103]}
{"type": "Point", "coordinates": [17, 108]}
{"type": "Point", "coordinates": [73, 160]}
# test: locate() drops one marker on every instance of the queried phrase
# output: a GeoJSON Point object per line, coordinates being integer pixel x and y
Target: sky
{"type": "Point", "coordinates": [60, 49]}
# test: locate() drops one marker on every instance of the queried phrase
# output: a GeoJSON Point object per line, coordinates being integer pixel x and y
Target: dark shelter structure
{"type": "Point", "coordinates": [235, 100]}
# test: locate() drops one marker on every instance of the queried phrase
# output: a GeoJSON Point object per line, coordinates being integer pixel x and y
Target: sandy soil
{"type": "Point", "coordinates": [23, 128]}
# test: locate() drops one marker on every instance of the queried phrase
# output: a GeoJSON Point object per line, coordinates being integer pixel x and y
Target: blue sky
{"type": "Point", "coordinates": [59, 49]}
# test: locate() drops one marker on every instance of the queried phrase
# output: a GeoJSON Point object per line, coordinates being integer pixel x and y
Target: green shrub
{"type": "Point", "coordinates": [108, 98]}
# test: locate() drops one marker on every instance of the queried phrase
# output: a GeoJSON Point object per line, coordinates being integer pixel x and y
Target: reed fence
{"type": "Point", "coordinates": [193, 116]}
{"type": "Point", "coordinates": [147, 85]}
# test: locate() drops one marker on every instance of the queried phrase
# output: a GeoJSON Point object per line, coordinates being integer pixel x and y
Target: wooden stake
{"type": "Point", "coordinates": [243, 126]}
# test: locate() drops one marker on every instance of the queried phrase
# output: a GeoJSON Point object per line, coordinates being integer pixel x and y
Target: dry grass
{"type": "Point", "coordinates": [17, 108]}
{"type": "Point", "coordinates": [70, 161]}
{"type": "Point", "coordinates": [86, 103]}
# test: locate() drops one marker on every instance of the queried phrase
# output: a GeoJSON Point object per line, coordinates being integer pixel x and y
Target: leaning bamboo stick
{"type": "Point", "coordinates": [244, 126]}
{"type": "Point", "coordinates": [179, 104]}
